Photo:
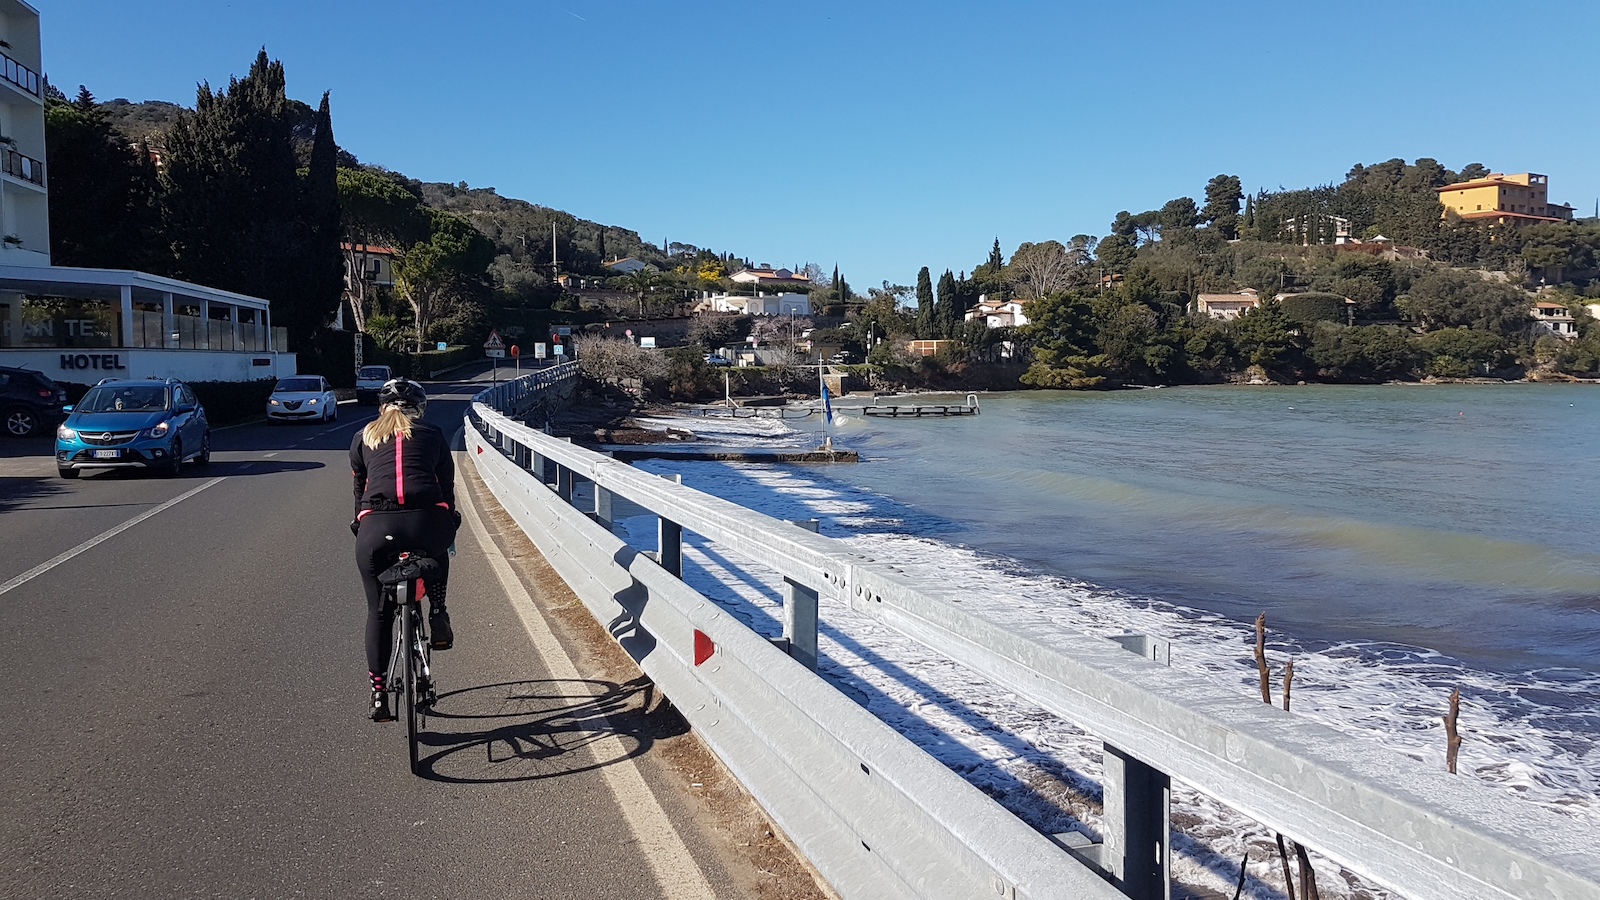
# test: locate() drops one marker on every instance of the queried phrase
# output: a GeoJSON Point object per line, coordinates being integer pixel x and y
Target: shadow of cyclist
{"type": "Point", "coordinates": [531, 730]}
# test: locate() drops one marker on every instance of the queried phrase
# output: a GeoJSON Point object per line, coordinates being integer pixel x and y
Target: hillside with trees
{"type": "Point", "coordinates": [1360, 280]}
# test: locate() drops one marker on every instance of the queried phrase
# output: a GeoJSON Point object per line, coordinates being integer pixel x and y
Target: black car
{"type": "Point", "coordinates": [29, 401]}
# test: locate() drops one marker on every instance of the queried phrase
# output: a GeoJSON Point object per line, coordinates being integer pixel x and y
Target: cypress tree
{"type": "Point", "coordinates": [945, 304]}
{"type": "Point", "coordinates": [101, 192]}
{"type": "Point", "coordinates": [997, 260]}
{"type": "Point", "coordinates": [324, 271]}
{"type": "Point", "coordinates": [924, 303]}
{"type": "Point", "coordinates": [235, 208]}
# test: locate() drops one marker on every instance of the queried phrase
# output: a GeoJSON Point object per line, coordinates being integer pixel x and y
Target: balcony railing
{"type": "Point", "coordinates": [24, 167]}
{"type": "Point", "coordinates": [21, 76]}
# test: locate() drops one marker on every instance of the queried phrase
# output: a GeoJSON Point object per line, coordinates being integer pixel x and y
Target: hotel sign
{"type": "Point", "coordinates": [102, 361]}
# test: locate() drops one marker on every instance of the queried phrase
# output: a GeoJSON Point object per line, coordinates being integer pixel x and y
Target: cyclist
{"type": "Point", "coordinates": [405, 500]}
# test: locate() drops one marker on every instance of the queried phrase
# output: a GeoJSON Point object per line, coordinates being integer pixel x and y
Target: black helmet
{"type": "Point", "coordinates": [406, 394]}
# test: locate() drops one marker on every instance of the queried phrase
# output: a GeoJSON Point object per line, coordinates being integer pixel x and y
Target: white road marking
{"type": "Point", "coordinates": [272, 454]}
{"type": "Point", "coordinates": [676, 872]}
{"type": "Point", "coordinates": [102, 537]}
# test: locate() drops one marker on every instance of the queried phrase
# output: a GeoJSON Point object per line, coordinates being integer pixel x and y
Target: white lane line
{"type": "Point", "coordinates": [676, 872]}
{"type": "Point", "coordinates": [102, 537]}
{"type": "Point", "coordinates": [272, 454]}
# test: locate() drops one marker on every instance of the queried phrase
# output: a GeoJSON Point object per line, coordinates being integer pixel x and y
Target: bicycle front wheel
{"type": "Point", "coordinates": [409, 620]}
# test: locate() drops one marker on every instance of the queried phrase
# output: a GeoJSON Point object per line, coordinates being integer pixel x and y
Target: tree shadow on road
{"type": "Point", "coordinates": [22, 491]}
{"type": "Point", "coordinates": [531, 730]}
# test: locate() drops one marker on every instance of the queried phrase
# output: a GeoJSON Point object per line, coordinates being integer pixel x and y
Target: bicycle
{"type": "Point", "coordinates": [410, 674]}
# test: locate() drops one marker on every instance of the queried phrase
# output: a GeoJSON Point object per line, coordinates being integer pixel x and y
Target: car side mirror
{"type": "Point", "coordinates": [67, 408]}
{"type": "Point", "coordinates": [185, 407]}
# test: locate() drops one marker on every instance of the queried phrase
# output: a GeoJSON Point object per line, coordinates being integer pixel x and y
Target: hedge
{"type": "Point", "coordinates": [424, 365]}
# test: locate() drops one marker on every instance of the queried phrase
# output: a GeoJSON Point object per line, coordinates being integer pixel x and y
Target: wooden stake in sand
{"type": "Point", "coordinates": [1308, 876]}
{"type": "Point", "coordinates": [1453, 744]}
{"type": "Point", "coordinates": [1288, 684]}
{"type": "Point", "coordinates": [1261, 659]}
{"type": "Point", "coordinates": [1288, 880]}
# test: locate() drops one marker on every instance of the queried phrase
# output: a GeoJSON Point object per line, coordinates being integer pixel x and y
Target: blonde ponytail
{"type": "Point", "coordinates": [390, 420]}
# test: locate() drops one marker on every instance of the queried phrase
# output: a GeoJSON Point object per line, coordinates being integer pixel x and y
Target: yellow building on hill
{"type": "Point", "coordinates": [1513, 200]}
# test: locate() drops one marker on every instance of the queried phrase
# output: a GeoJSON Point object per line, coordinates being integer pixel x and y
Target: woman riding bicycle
{"type": "Point", "coordinates": [405, 501]}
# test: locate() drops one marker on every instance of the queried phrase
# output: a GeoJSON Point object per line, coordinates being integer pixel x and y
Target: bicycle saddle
{"type": "Point", "coordinates": [410, 568]}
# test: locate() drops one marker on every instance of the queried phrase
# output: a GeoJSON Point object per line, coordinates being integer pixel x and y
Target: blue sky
{"type": "Point", "coordinates": [882, 136]}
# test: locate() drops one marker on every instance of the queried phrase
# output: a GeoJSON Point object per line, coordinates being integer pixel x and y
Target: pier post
{"type": "Point", "coordinates": [669, 542]}
{"type": "Point", "coordinates": [800, 615]}
{"type": "Point", "coordinates": [1138, 802]}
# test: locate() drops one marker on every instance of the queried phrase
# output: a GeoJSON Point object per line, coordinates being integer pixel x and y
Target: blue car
{"type": "Point", "coordinates": [142, 424]}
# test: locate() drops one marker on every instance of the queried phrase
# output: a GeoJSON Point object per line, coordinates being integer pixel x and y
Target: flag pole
{"type": "Point", "coordinates": [827, 408]}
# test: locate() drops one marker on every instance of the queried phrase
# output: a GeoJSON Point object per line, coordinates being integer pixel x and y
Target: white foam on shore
{"type": "Point", "coordinates": [1534, 734]}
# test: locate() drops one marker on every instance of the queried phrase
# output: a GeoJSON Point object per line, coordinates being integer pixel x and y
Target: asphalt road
{"type": "Point", "coordinates": [184, 703]}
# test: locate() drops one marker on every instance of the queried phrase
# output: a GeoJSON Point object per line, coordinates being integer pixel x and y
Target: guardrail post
{"type": "Point", "coordinates": [1138, 802]}
{"type": "Point", "coordinates": [602, 506]}
{"type": "Point", "coordinates": [563, 482]}
{"type": "Point", "coordinates": [800, 615]}
{"type": "Point", "coordinates": [669, 542]}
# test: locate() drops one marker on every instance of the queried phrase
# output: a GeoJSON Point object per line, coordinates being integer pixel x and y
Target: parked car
{"type": "Point", "coordinates": [302, 398]}
{"type": "Point", "coordinates": [141, 424]}
{"type": "Point", "coordinates": [370, 380]}
{"type": "Point", "coordinates": [717, 359]}
{"type": "Point", "coordinates": [29, 401]}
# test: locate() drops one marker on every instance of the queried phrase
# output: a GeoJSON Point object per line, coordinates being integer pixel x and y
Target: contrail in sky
{"type": "Point", "coordinates": [576, 16]}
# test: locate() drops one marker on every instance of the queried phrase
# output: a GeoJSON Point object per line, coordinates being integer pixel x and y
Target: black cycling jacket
{"type": "Point", "coordinates": [404, 472]}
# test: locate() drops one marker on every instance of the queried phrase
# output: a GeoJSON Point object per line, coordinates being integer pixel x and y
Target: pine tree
{"type": "Point", "coordinates": [925, 303]}
{"type": "Point", "coordinates": [996, 260]}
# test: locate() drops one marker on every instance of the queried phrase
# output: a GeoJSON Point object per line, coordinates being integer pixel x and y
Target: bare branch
{"type": "Point", "coordinates": [1261, 659]}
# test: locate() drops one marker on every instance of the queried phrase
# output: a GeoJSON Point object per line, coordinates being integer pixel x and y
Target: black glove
{"type": "Point", "coordinates": [355, 526]}
{"type": "Point", "coordinates": [456, 514]}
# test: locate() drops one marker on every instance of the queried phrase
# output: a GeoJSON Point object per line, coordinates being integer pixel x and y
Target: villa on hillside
{"type": "Point", "coordinates": [762, 304]}
{"type": "Point", "coordinates": [1227, 306]}
{"type": "Point", "coordinates": [1514, 200]}
{"type": "Point", "coordinates": [766, 276]}
{"type": "Point", "coordinates": [1554, 318]}
{"type": "Point", "coordinates": [999, 313]}
{"type": "Point", "coordinates": [626, 265]}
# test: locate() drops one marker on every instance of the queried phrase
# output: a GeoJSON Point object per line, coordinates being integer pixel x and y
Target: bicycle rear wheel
{"type": "Point", "coordinates": [408, 618]}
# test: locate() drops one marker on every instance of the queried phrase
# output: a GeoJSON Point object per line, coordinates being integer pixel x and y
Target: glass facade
{"type": "Point", "coordinates": [37, 321]}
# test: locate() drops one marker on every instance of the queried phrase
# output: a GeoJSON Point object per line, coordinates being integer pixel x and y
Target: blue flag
{"type": "Point", "coordinates": [827, 406]}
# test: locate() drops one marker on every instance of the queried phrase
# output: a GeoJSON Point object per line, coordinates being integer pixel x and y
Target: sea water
{"type": "Point", "coordinates": [1403, 541]}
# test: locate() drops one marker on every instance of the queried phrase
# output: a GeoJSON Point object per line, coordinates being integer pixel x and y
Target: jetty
{"type": "Point", "coordinates": [919, 410]}
{"type": "Point", "coordinates": [632, 453]}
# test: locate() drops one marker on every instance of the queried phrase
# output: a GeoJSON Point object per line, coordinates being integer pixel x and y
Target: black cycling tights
{"type": "Point", "coordinates": [383, 537]}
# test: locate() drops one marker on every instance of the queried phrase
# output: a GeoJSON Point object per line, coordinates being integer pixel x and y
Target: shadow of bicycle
{"type": "Point", "coordinates": [531, 730]}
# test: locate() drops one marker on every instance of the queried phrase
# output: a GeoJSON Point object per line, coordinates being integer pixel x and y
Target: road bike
{"type": "Point", "coordinates": [410, 675]}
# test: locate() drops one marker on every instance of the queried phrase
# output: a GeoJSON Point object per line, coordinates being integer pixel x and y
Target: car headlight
{"type": "Point", "coordinates": [311, 403]}
{"type": "Point", "coordinates": [66, 434]}
{"type": "Point", "coordinates": [157, 430]}
{"type": "Point", "coordinates": [272, 402]}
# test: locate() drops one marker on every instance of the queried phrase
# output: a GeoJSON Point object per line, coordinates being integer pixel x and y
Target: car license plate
{"type": "Point", "coordinates": [107, 454]}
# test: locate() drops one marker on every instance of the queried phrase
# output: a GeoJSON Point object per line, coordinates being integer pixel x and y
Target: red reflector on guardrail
{"type": "Point", "coordinates": [703, 647]}
{"type": "Point", "coordinates": [480, 450]}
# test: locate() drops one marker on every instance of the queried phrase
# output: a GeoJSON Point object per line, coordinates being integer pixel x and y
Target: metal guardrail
{"type": "Point", "coordinates": [1423, 833]}
{"type": "Point", "coordinates": [877, 816]}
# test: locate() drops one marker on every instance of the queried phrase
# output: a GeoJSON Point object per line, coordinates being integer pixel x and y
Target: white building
{"type": "Point", "coordinates": [767, 276]}
{"type": "Point", "coordinates": [626, 265]}
{"type": "Point", "coordinates": [1554, 318]}
{"type": "Point", "coordinates": [999, 313]}
{"type": "Point", "coordinates": [24, 204]}
{"type": "Point", "coordinates": [82, 325]}
{"type": "Point", "coordinates": [762, 304]}
{"type": "Point", "coordinates": [1227, 306]}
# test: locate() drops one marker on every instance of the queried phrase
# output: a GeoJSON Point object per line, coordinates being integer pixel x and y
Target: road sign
{"type": "Point", "coordinates": [515, 351]}
{"type": "Point", "coordinates": [494, 347]}
{"type": "Point", "coordinates": [560, 350]}
{"type": "Point", "coordinates": [539, 350]}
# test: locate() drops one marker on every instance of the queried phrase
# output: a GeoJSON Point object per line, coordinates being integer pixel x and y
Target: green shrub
{"type": "Point", "coordinates": [1315, 307]}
